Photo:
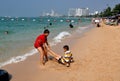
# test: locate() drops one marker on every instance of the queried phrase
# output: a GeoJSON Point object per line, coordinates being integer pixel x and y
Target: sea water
{"type": "Point", "coordinates": [17, 35]}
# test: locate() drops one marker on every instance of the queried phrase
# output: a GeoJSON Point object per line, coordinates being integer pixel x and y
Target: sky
{"type": "Point", "coordinates": [33, 8]}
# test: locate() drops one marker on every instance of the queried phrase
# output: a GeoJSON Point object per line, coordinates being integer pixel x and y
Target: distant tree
{"type": "Point", "coordinates": [101, 14]}
{"type": "Point", "coordinates": [110, 12]}
{"type": "Point", "coordinates": [116, 9]}
{"type": "Point", "coordinates": [107, 12]}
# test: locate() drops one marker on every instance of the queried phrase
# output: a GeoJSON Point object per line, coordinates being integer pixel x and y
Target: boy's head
{"type": "Point", "coordinates": [46, 32]}
{"type": "Point", "coordinates": [66, 48]}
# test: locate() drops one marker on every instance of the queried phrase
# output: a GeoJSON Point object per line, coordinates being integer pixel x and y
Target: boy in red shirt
{"type": "Point", "coordinates": [43, 47]}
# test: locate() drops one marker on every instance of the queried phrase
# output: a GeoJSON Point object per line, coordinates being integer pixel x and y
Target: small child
{"type": "Point", "coordinates": [67, 58]}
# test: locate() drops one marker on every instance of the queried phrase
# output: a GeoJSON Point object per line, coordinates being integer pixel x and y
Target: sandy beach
{"type": "Point", "coordinates": [96, 54]}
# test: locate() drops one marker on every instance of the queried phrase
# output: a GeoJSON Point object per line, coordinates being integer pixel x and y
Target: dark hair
{"type": "Point", "coordinates": [4, 75]}
{"type": "Point", "coordinates": [66, 47]}
{"type": "Point", "coordinates": [46, 31]}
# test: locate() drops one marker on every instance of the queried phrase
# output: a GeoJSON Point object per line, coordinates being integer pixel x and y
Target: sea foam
{"type": "Point", "coordinates": [59, 37]}
{"type": "Point", "coordinates": [19, 58]}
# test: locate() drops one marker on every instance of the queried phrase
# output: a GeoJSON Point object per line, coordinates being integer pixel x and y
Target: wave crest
{"type": "Point", "coordinates": [59, 37]}
{"type": "Point", "coordinates": [19, 58]}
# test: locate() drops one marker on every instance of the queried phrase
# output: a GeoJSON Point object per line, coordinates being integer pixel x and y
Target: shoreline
{"type": "Point", "coordinates": [96, 55]}
{"type": "Point", "coordinates": [23, 33]}
{"type": "Point", "coordinates": [60, 37]}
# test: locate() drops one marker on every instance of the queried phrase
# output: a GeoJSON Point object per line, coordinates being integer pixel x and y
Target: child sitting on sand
{"type": "Point", "coordinates": [67, 58]}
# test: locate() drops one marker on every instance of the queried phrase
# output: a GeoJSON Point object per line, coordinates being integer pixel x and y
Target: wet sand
{"type": "Point", "coordinates": [96, 54]}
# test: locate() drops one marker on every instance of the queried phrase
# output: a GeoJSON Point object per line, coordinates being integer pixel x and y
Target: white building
{"type": "Point", "coordinates": [71, 12]}
{"type": "Point", "coordinates": [78, 12]}
{"type": "Point", "coordinates": [52, 14]}
{"type": "Point", "coordinates": [96, 12]}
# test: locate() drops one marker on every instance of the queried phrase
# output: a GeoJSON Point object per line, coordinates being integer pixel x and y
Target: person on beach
{"type": "Point", "coordinates": [97, 22]}
{"type": "Point", "coordinates": [67, 52]}
{"type": "Point", "coordinates": [67, 58]}
{"type": "Point", "coordinates": [43, 47]}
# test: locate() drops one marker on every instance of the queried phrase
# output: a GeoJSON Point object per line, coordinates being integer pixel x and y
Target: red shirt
{"type": "Point", "coordinates": [40, 40]}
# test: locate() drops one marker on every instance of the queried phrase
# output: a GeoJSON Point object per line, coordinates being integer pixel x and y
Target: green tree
{"type": "Point", "coordinates": [116, 9]}
{"type": "Point", "coordinates": [110, 12]}
{"type": "Point", "coordinates": [107, 12]}
{"type": "Point", "coordinates": [101, 14]}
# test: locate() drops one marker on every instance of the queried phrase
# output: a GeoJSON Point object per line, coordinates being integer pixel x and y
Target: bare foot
{"type": "Point", "coordinates": [42, 66]}
{"type": "Point", "coordinates": [46, 60]}
{"type": "Point", "coordinates": [42, 63]}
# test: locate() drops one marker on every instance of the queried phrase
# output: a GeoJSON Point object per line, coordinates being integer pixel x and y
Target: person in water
{"type": "Point", "coordinates": [41, 44]}
{"type": "Point", "coordinates": [6, 32]}
{"type": "Point", "coordinates": [70, 25]}
{"type": "Point", "coordinates": [50, 24]}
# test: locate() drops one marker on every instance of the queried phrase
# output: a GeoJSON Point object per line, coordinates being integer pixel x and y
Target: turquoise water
{"type": "Point", "coordinates": [23, 31]}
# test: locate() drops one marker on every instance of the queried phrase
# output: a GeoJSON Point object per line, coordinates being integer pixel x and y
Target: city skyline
{"type": "Point", "coordinates": [78, 12]}
{"type": "Point", "coordinates": [70, 12]}
{"type": "Point", "coordinates": [33, 8]}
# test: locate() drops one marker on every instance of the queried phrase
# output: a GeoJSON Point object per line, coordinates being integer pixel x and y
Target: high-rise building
{"type": "Point", "coordinates": [52, 13]}
{"type": "Point", "coordinates": [71, 12]}
{"type": "Point", "coordinates": [78, 12]}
